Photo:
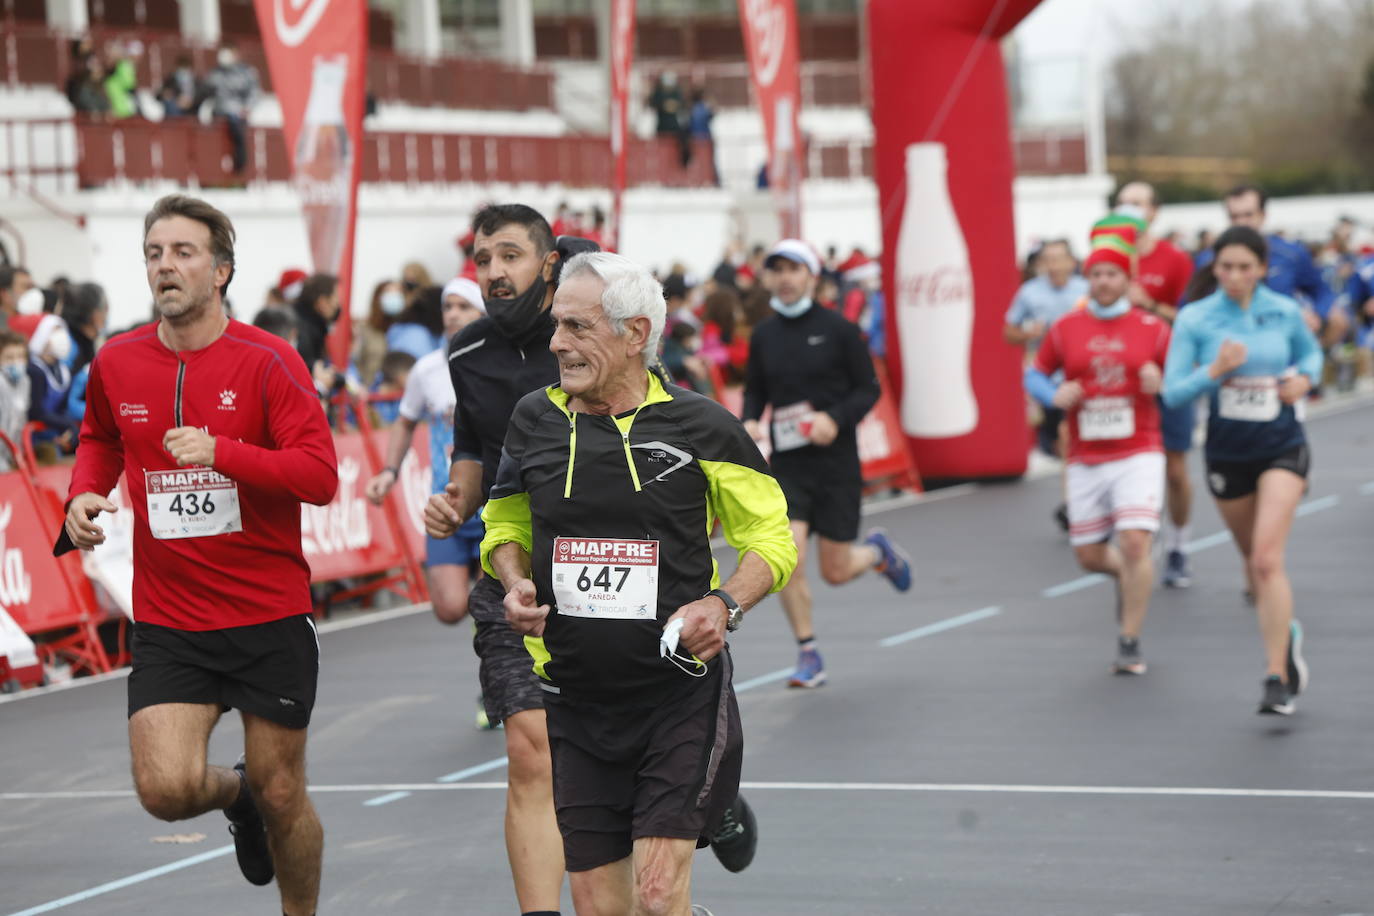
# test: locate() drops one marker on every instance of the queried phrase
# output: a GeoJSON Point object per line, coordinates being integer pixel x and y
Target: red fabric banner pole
{"type": "Point", "coordinates": [770, 37]}
{"type": "Point", "coordinates": [317, 53]}
{"type": "Point", "coordinates": [622, 58]}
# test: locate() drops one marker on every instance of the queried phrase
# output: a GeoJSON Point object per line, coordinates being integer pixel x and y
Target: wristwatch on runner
{"type": "Point", "coordinates": [736, 617]}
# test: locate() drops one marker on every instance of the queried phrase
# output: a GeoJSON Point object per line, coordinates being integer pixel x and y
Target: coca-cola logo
{"type": "Point", "coordinates": [16, 587]}
{"type": "Point", "coordinates": [343, 524]}
{"type": "Point", "coordinates": [768, 28]}
{"type": "Point", "coordinates": [949, 285]}
{"type": "Point", "coordinates": [296, 19]}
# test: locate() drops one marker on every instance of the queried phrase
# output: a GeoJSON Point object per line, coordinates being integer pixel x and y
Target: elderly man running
{"type": "Point", "coordinates": [598, 526]}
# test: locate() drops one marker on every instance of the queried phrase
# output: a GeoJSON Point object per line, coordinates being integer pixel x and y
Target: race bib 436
{"type": "Point", "coordinates": [192, 503]}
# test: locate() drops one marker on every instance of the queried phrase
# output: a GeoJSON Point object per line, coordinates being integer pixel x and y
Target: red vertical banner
{"type": "Point", "coordinates": [317, 53]}
{"type": "Point", "coordinates": [622, 58]}
{"type": "Point", "coordinates": [770, 35]}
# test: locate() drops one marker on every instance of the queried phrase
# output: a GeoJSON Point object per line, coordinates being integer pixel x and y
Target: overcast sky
{"type": "Point", "coordinates": [1066, 26]}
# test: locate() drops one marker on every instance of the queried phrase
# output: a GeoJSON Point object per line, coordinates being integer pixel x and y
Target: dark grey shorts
{"type": "Point", "coordinates": [509, 684]}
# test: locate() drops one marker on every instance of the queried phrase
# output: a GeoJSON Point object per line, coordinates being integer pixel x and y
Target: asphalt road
{"type": "Point", "coordinates": [971, 754]}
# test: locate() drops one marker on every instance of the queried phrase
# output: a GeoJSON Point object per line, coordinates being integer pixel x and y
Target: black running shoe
{"type": "Point", "coordinates": [1128, 659]}
{"type": "Point", "coordinates": [738, 837]}
{"type": "Point", "coordinates": [250, 835]}
{"type": "Point", "coordinates": [1277, 700]}
{"type": "Point", "coordinates": [1297, 665]}
{"type": "Point", "coordinates": [1061, 517]}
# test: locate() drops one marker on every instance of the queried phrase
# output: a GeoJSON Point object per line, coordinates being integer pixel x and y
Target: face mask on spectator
{"type": "Point", "coordinates": [59, 345]}
{"type": "Point", "coordinates": [14, 372]}
{"type": "Point", "coordinates": [393, 302]}
{"type": "Point", "coordinates": [225, 57]}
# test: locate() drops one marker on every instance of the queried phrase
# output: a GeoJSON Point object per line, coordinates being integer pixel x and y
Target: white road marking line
{"type": "Point", "coordinates": [1073, 585]}
{"type": "Point", "coordinates": [1317, 505]}
{"type": "Point", "coordinates": [125, 882]}
{"type": "Point", "coordinates": [940, 627]}
{"type": "Point", "coordinates": [386, 799]}
{"type": "Point", "coordinates": [474, 770]}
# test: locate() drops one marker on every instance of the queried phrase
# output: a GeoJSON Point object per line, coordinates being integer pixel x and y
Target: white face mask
{"type": "Point", "coordinates": [59, 345]}
{"type": "Point", "coordinates": [225, 57]}
{"type": "Point", "coordinates": [31, 303]}
{"type": "Point", "coordinates": [393, 302]}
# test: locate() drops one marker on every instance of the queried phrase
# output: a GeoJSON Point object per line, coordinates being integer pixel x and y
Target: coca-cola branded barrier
{"type": "Point", "coordinates": [317, 52]}
{"type": "Point", "coordinates": [944, 168]}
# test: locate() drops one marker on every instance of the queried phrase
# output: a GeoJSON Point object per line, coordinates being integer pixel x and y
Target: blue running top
{"type": "Point", "coordinates": [1245, 421]}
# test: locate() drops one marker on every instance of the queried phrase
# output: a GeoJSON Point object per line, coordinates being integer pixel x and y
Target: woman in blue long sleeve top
{"type": "Point", "coordinates": [1248, 349]}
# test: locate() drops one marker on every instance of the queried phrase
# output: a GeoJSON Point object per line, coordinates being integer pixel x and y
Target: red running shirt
{"type": "Point", "coordinates": [1165, 273]}
{"type": "Point", "coordinates": [1115, 419]}
{"type": "Point", "coordinates": [251, 391]}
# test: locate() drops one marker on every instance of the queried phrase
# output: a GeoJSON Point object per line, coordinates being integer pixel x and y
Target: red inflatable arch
{"type": "Point", "coordinates": [940, 104]}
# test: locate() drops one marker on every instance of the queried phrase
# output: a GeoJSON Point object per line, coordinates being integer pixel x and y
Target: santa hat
{"type": "Point", "coordinates": [290, 283]}
{"type": "Point", "coordinates": [464, 288]}
{"type": "Point", "coordinates": [37, 328]}
{"type": "Point", "coordinates": [1113, 241]}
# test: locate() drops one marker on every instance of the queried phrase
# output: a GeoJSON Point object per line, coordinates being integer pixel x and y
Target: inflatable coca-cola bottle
{"type": "Point", "coordinates": [934, 304]}
{"type": "Point", "coordinates": [324, 162]}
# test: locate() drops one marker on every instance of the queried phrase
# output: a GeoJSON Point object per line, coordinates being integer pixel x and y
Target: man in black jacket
{"type": "Point", "coordinates": [811, 366]}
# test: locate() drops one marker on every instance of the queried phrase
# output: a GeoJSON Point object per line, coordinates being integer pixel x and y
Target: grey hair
{"type": "Point", "coordinates": [631, 292]}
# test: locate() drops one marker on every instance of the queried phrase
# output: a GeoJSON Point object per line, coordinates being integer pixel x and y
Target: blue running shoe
{"type": "Point", "coordinates": [1176, 571]}
{"type": "Point", "coordinates": [810, 670]}
{"type": "Point", "coordinates": [895, 565]}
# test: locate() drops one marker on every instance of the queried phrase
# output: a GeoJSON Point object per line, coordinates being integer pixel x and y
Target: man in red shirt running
{"type": "Point", "coordinates": [1111, 356]}
{"type": "Point", "coordinates": [1162, 278]}
{"type": "Point", "coordinates": [220, 435]}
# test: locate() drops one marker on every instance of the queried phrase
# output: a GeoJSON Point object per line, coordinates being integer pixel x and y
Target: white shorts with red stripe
{"type": "Point", "coordinates": [1108, 497]}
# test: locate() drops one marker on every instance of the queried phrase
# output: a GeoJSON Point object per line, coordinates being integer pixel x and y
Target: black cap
{"type": "Point", "coordinates": [569, 247]}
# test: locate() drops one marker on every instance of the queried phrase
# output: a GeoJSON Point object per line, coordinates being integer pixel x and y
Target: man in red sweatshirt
{"type": "Point", "coordinates": [219, 432]}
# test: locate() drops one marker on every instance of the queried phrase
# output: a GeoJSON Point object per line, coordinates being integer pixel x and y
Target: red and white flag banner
{"type": "Point", "coordinates": [622, 59]}
{"type": "Point", "coordinates": [317, 52]}
{"type": "Point", "coordinates": [770, 36]}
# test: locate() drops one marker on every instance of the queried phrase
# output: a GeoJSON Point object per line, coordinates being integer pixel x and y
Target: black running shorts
{"type": "Point", "coordinates": [622, 772]}
{"type": "Point", "coordinates": [506, 672]}
{"type": "Point", "coordinates": [1235, 479]}
{"type": "Point", "coordinates": [267, 669]}
{"type": "Point", "coordinates": [825, 495]}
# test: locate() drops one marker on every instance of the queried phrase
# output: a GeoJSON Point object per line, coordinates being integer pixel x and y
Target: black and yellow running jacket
{"type": "Point", "coordinates": [664, 472]}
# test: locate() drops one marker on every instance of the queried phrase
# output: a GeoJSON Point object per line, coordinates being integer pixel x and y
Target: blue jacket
{"type": "Point", "coordinates": [1276, 339]}
{"type": "Point", "coordinates": [1292, 273]}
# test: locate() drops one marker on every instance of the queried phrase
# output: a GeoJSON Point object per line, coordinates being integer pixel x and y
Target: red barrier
{"type": "Point", "coordinates": [44, 594]}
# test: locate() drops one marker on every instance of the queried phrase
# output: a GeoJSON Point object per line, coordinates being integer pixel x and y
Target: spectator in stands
{"type": "Point", "coordinates": [420, 328]}
{"type": "Point", "coordinates": [560, 225]}
{"type": "Point", "coordinates": [699, 127]}
{"type": "Point", "coordinates": [681, 359]}
{"type": "Point", "coordinates": [316, 309]}
{"type": "Point", "coordinates": [391, 384]}
{"type": "Point", "coordinates": [675, 295]}
{"type": "Point", "coordinates": [232, 87]}
{"type": "Point", "coordinates": [721, 340]}
{"type": "Point", "coordinates": [121, 78]}
{"type": "Point", "coordinates": [369, 334]}
{"type": "Point", "coordinates": [86, 85]}
{"type": "Point", "coordinates": [85, 313]}
{"type": "Point", "coordinates": [179, 90]}
{"type": "Point", "coordinates": [14, 391]}
{"type": "Point", "coordinates": [50, 381]}
{"type": "Point", "coordinates": [670, 111]}
{"type": "Point", "coordinates": [414, 277]}
{"type": "Point", "coordinates": [288, 287]}
{"type": "Point", "coordinates": [280, 322]}
{"type": "Point", "coordinates": [14, 282]}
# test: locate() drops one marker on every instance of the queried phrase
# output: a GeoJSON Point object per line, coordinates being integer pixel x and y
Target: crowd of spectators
{"type": "Point", "coordinates": [104, 85]}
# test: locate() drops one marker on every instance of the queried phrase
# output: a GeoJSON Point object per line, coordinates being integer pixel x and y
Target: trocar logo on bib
{"type": "Point", "coordinates": [934, 304]}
